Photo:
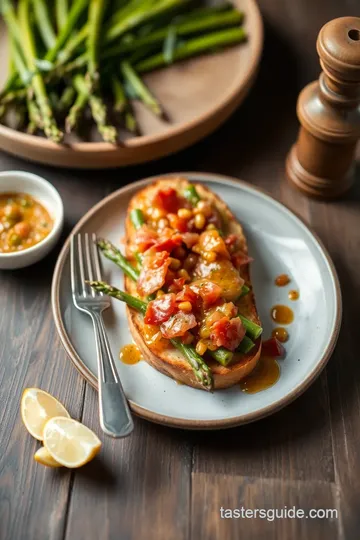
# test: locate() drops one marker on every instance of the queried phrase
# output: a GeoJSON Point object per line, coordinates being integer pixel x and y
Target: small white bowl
{"type": "Point", "coordinates": [46, 194]}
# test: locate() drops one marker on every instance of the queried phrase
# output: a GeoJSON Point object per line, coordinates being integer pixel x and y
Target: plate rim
{"type": "Point", "coordinates": [170, 420]}
{"type": "Point", "coordinates": [202, 124]}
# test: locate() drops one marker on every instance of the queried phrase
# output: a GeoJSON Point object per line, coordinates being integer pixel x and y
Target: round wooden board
{"type": "Point", "coordinates": [197, 95]}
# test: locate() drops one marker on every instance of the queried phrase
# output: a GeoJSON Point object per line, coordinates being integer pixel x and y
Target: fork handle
{"type": "Point", "coordinates": [115, 415]}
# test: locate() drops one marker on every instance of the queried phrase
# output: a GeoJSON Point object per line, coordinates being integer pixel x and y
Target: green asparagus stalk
{"type": "Point", "coordinates": [78, 107]}
{"type": "Point", "coordinates": [35, 119]}
{"type": "Point", "coordinates": [245, 290]}
{"type": "Point", "coordinates": [71, 46]}
{"type": "Point", "coordinates": [191, 195]}
{"type": "Point", "coordinates": [136, 17]}
{"type": "Point", "coordinates": [245, 346]}
{"type": "Point", "coordinates": [66, 98]}
{"type": "Point", "coordinates": [122, 105]}
{"type": "Point", "coordinates": [113, 254]}
{"type": "Point", "coordinates": [200, 368]}
{"type": "Point", "coordinates": [99, 114]}
{"type": "Point", "coordinates": [253, 330]}
{"type": "Point", "coordinates": [137, 218]}
{"type": "Point", "coordinates": [28, 46]}
{"type": "Point", "coordinates": [77, 8]}
{"type": "Point", "coordinates": [44, 23]}
{"type": "Point", "coordinates": [193, 47]}
{"type": "Point", "coordinates": [131, 122]}
{"type": "Point", "coordinates": [8, 12]}
{"type": "Point", "coordinates": [140, 88]}
{"type": "Point", "coordinates": [61, 10]}
{"type": "Point", "coordinates": [96, 13]}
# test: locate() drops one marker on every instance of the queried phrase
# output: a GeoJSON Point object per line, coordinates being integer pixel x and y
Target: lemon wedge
{"type": "Point", "coordinates": [43, 457]}
{"type": "Point", "coordinates": [37, 407]}
{"type": "Point", "coordinates": [70, 443]}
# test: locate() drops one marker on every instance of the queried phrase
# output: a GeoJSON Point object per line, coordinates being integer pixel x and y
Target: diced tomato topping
{"type": "Point", "coordinates": [190, 239]}
{"type": "Point", "coordinates": [178, 324]}
{"type": "Point", "coordinates": [168, 244]}
{"type": "Point", "coordinates": [227, 333]}
{"type": "Point", "coordinates": [272, 347]}
{"type": "Point", "coordinates": [167, 199]}
{"type": "Point", "coordinates": [153, 272]}
{"type": "Point", "coordinates": [207, 290]}
{"type": "Point", "coordinates": [159, 310]}
{"type": "Point", "coordinates": [145, 238]}
{"type": "Point", "coordinates": [240, 259]}
{"type": "Point", "coordinates": [212, 241]}
{"type": "Point", "coordinates": [187, 295]}
{"type": "Point", "coordinates": [231, 240]}
{"type": "Point", "coordinates": [177, 285]}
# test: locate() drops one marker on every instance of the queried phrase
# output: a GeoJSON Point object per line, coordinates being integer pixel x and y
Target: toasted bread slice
{"type": "Point", "coordinates": [165, 358]}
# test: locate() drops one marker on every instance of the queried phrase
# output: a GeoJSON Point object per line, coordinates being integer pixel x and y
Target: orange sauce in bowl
{"type": "Point", "coordinates": [24, 222]}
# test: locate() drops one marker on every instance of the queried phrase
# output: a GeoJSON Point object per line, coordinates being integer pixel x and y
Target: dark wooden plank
{"type": "Point", "coordinates": [139, 487]}
{"type": "Point", "coordinates": [33, 499]}
{"type": "Point", "coordinates": [211, 493]}
{"type": "Point", "coordinates": [339, 226]}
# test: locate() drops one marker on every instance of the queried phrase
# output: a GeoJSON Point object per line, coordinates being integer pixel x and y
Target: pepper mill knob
{"type": "Point", "coordinates": [321, 162]}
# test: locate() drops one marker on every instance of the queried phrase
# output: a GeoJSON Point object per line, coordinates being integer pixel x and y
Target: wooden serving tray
{"type": "Point", "coordinates": [197, 95]}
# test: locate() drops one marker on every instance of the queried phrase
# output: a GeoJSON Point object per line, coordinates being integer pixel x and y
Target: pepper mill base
{"type": "Point", "coordinates": [315, 186]}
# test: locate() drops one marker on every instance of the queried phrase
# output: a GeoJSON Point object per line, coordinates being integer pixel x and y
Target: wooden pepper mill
{"type": "Point", "coordinates": [321, 162]}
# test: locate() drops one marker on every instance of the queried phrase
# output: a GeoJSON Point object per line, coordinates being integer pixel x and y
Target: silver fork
{"type": "Point", "coordinates": [114, 412]}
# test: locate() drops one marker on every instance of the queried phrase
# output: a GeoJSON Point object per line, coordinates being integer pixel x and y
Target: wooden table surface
{"type": "Point", "coordinates": [167, 484]}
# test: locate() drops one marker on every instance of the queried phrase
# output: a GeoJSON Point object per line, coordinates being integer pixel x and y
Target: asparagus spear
{"type": "Point", "coordinates": [99, 113]}
{"type": "Point", "coordinates": [77, 7]}
{"type": "Point", "coordinates": [140, 88]}
{"type": "Point", "coordinates": [37, 82]}
{"type": "Point", "coordinates": [191, 195]}
{"type": "Point", "coordinates": [112, 253]}
{"type": "Point", "coordinates": [35, 119]}
{"type": "Point", "coordinates": [71, 45]}
{"type": "Point", "coordinates": [193, 47]}
{"type": "Point", "coordinates": [67, 98]}
{"type": "Point", "coordinates": [253, 330]}
{"type": "Point", "coordinates": [137, 218]}
{"type": "Point", "coordinates": [81, 101]}
{"type": "Point", "coordinates": [61, 10]}
{"type": "Point", "coordinates": [122, 105]}
{"type": "Point", "coordinates": [201, 369]}
{"type": "Point", "coordinates": [96, 13]}
{"type": "Point", "coordinates": [44, 23]}
{"type": "Point", "coordinates": [135, 17]}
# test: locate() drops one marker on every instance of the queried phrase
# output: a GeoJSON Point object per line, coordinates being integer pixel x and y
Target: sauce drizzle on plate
{"type": "Point", "coordinates": [280, 333]}
{"type": "Point", "coordinates": [282, 314]}
{"type": "Point", "coordinates": [293, 295]}
{"type": "Point", "coordinates": [130, 354]}
{"type": "Point", "coordinates": [282, 280]}
{"type": "Point", "coordinates": [265, 375]}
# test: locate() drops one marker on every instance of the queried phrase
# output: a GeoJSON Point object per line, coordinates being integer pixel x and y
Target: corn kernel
{"type": "Point", "coordinates": [159, 293]}
{"type": "Point", "coordinates": [172, 220]}
{"type": "Point", "coordinates": [179, 252]}
{"type": "Point", "coordinates": [204, 332]}
{"type": "Point", "coordinates": [162, 223]}
{"type": "Point", "coordinates": [185, 213]}
{"type": "Point", "coordinates": [209, 256]}
{"type": "Point", "coordinates": [174, 264]}
{"type": "Point", "coordinates": [210, 227]}
{"type": "Point", "coordinates": [185, 306]}
{"type": "Point", "coordinates": [200, 221]}
{"type": "Point", "coordinates": [184, 274]}
{"type": "Point", "coordinates": [201, 347]}
{"type": "Point", "coordinates": [204, 207]}
{"type": "Point", "coordinates": [157, 214]}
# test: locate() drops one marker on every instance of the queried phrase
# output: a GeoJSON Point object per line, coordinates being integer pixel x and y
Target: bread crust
{"type": "Point", "coordinates": [166, 359]}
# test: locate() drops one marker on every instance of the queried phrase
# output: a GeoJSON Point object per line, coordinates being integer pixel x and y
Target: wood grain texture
{"type": "Point", "coordinates": [168, 484]}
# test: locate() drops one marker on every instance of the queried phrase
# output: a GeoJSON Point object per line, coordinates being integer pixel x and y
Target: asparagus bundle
{"type": "Point", "coordinates": [79, 54]}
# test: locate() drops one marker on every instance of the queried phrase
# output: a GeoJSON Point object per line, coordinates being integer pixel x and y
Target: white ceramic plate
{"type": "Point", "coordinates": [279, 243]}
